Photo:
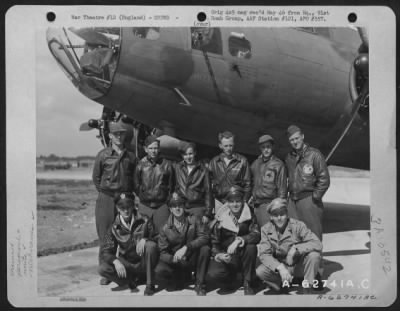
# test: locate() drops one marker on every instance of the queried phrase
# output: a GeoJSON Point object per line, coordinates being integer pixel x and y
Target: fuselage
{"type": "Point", "coordinates": [281, 76]}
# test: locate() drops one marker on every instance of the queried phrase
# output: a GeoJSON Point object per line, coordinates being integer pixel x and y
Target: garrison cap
{"type": "Point", "coordinates": [264, 139]}
{"type": "Point", "coordinates": [120, 127]}
{"type": "Point", "coordinates": [151, 139]}
{"type": "Point", "coordinates": [176, 200]}
{"type": "Point", "coordinates": [235, 192]}
{"type": "Point", "coordinates": [292, 129]}
{"type": "Point", "coordinates": [276, 204]}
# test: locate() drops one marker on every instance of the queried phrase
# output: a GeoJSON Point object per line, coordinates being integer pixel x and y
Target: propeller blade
{"type": "Point", "coordinates": [85, 127]}
{"type": "Point", "coordinates": [364, 36]}
{"type": "Point", "coordinates": [91, 36]}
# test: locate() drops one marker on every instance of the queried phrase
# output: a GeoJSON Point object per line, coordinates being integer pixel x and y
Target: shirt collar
{"type": "Point", "coordinates": [183, 164]}
{"type": "Point", "coordinates": [222, 156]}
{"type": "Point", "coordinates": [170, 221]}
{"type": "Point", "coordinates": [124, 224]}
{"type": "Point", "coordinates": [158, 160]}
{"type": "Point", "coordinates": [266, 160]}
{"type": "Point", "coordinates": [302, 152]}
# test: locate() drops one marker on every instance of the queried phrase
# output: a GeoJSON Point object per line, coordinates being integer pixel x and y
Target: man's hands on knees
{"type": "Point", "coordinates": [140, 246]}
{"type": "Point", "coordinates": [223, 257]}
{"type": "Point", "coordinates": [120, 268]}
{"type": "Point", "coordinates": [180, 254]}
{"type": "Point", "coordinates": [291, 255]}
{"type": "Point", "coordinates": [234, 245]}
{"type": "Point", "coordinates": [284, 273]}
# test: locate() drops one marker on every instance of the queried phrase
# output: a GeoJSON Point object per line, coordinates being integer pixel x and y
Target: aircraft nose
{"type": "Point", "coordinates": [88, 56]}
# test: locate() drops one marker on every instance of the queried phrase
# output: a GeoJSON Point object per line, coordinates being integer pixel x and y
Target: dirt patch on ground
{"type": "Point", "coordinates": [65, 214]}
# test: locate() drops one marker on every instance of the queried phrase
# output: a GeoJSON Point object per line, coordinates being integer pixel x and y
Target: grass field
{"type": "Point", "coordinates": [66, 202]}
{"type": "Point", "coordinates": [65, 213]}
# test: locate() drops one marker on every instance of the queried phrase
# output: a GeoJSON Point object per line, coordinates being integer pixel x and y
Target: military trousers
{"type": "Point", "coordinates": [309, 263]}
{"type": "Point", "coordinates": [134, 270]}
{"type": "Point", "coordinates": [177, 272]}
{"type": "Point", "coordinates": [159, 214]}
{"type": "Point", "coordinates": [243, 261]}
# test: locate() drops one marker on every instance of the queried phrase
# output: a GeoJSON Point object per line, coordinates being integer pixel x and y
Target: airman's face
{"type": "Point", "coordinates": [227, 145]}
{"type": "Point", "coordinates": [177, 211]}
{"type": "Point", "coordinates": [118, 138]}
{"type": "Point", "coordinates": [152, 150]}
{"type": "Point", "coordinates": [189, 156]}
{"type": "Point", "coordinates": [125, 210]}
{"type": "Point", "coordinates": [279, 218]}
{"type": "Point", "coordinates": [266, 149]}
{"type": "Point", "coordinates": [297, 141]}
{"type": "Point", "coordinates": [235, 205]}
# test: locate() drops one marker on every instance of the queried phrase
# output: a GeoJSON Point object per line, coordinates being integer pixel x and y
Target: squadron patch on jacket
{"type": "Point", "coordinates": [308, 169]}
{"type": "Point", "coordinates": [269, 176]}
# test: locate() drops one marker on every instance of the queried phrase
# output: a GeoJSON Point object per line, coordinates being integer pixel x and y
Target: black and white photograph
{"type": "Point", "coordinates": [234, 160]}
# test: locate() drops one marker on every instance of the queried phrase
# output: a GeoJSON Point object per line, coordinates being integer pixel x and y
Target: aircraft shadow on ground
{"type": "Point", "coordinates": [345, 217]}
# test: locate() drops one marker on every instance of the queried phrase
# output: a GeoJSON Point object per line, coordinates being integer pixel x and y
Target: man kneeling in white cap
{"type": "Point", "coordinates": [286, 242]}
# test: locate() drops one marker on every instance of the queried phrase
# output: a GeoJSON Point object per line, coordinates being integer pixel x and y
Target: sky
{"type": "Point", "coordinates": [61, 109]}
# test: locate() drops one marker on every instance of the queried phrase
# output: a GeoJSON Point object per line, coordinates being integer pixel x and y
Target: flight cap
{"type": "Point", "coordinates": [264, 139]}
{"type": "Point", "coordinates": [235, 192]}
{"type": "Point", "coordinates": [151, 139]}
{"type": "Point", "coordinates": [124, 200]}
{"type": "Point", "coordinates": [277, 204]}
{"type": "Point", "coordinates": [176, 200]}
{"type": "Point", "coordinates": [292, 130]}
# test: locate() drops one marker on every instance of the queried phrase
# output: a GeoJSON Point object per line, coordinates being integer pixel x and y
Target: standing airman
{"type": "Point", "coordinates": [193, 184]}
{"type": "Point", "coordinates": [154, 183]}
{"type": "Point", "coordinates": [112, 173]}
{"type": "Point", "coordinates": [229, 169]}
{"type": "Point", "coordinates": [269, 179]}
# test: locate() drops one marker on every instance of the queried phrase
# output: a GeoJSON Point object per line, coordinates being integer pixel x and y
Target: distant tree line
{"type": "Point", "coordinates": [53, 157]}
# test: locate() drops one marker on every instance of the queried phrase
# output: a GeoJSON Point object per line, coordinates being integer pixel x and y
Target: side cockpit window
{"type": "Point", "coordinates": [206, 39]}
{"type": "Point", "coordinates": [149, 33]}
{"type": "Point", "coordinates": [239, 46]}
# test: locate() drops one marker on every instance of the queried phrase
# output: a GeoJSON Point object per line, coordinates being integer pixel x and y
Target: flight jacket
{"type": "Point", "coordinates": [125, 240]}
{"type": "Point", "coordinates": [308, 174]}
{"type": "Point", "coordinates": [195, 186]}
{"type": "Point", "coordinates": [269, 179]}
{"type": "Point", "coordinates": [194, 235]}
{"type": "Point", "coordinates": [154, 181]}
{"type": "Point", "coordinates": [112, 172]}
{"type": "Point", "coordinates": [221, 238]}
{"type": "Point", "coordinates": [223, 177]}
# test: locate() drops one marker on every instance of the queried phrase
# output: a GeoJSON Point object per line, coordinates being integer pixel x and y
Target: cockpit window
{"type": "Point", "coordinates": [88, 56]}
{"type": "Point", "coordinates": [149, 33]}
{"type": "Point", "coordinates": [206, 39]}
{"type": "Point", "coordinates": [239, 46]}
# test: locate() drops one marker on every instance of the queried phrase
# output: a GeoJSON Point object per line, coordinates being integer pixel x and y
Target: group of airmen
{"type": "Point", "coordinates": [168, 224]}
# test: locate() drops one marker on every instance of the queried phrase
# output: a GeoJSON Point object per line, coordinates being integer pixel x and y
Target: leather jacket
{"type": "Point", "coordinates": [269, 179]}
{"type": "Point", "coordinates": [221, 238]}
{"type": "Point", "coordinates": [195, 186]}
{"type": "Point", "coordinates": [112, 172]}
{"type": "Point", "coordinates": [308, 174]}
{"type": "Point", "coordinates": [125, 240]}
{"type": "Point", "coordinates": [154, 181]}
{"type": "Point", "coordinates": [194, 235]}
{"type": "Point", "coordinates": [224, 177]}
